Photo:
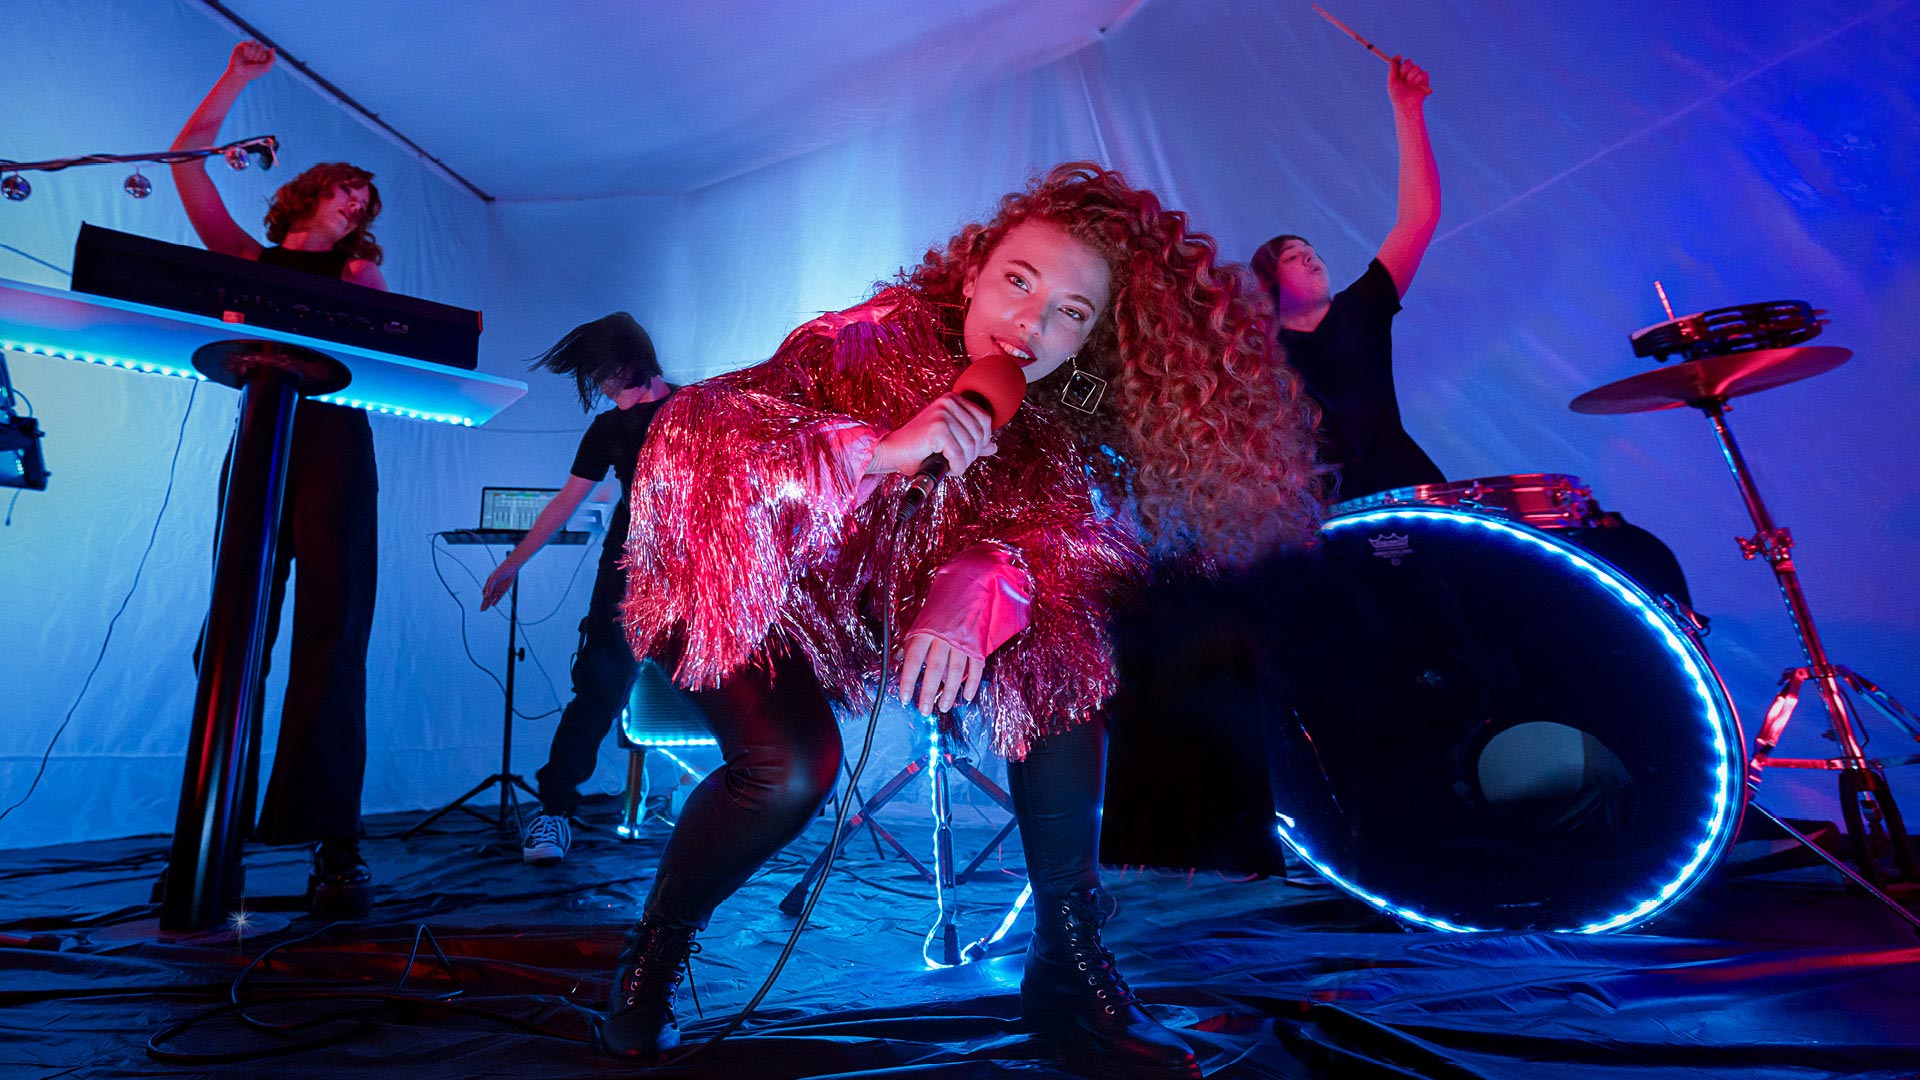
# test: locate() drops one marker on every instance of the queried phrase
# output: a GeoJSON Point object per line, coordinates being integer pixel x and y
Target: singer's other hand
{"type": "Point", "coordinates": [1408, 83]}
{"type": "Point", "coordinates": [249, 61]}
{"type": "Point", "coordinates": [498, 583]}
{"type": "Point", "coordinates": [951, 426]}
{"type": "Point", "coordinates": [950, 675]}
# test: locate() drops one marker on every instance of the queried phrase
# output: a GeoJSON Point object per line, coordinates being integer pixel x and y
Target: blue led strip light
{"type": "Point", "coordinates": [1716, 716]}
{"type": "Point", "coordinates": [105, 361]}
{"type": "Point", "coordinates": [151, 368]}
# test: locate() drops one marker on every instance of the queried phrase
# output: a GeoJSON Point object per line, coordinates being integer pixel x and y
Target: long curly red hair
{"type": "Point", "coordinates": [1211, 437]}
{"type": "Point", "coordinates": [298, 197]}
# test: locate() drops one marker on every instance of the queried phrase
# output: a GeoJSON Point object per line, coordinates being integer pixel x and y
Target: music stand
{"type": "Point", "coordinates": [506, 777]}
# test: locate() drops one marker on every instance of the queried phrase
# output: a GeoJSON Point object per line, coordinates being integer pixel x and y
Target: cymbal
{"type": "Point", "coordinates": [1699, 381]}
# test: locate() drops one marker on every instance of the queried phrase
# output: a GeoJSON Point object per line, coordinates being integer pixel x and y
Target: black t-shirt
{"type": "Point", "coordinates": [613, 441]}
{"type": "Point", "coordinates": [1347, 363]}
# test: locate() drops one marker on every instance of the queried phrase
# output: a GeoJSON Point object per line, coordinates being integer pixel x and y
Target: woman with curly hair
{"type": "Point", "coordinates": [765, 553]}
{"type": "Point", "coordinates": [317, 224]}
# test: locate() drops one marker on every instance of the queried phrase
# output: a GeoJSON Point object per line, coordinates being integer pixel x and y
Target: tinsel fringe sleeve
{"type": "Point", "coordinates": [1056, 673]}
{"type": "Point", "coordinates": [739, 487]}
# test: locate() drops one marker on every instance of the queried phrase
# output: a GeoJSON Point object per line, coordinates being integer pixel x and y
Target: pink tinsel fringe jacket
{"type": "Point", "coordinates": [754, 529]}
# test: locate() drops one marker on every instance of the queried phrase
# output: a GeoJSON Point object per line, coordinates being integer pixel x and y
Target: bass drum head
{"type": "Point", "coordinates": [1478, 726]}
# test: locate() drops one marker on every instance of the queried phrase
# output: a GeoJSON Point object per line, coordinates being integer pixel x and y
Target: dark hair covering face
{"type": "Point", "coordinates": [611, 347]}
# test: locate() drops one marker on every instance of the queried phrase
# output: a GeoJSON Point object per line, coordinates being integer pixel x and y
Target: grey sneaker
{"type": "Point", "coordinates": [547, 840]}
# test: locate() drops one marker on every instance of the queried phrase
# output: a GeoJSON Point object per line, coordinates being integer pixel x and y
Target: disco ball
{"type": "Point", "coordinates": [237, 157]}
{"type": "Point", "coordinates": [138, 186]}
{"type": "Point", "coordinates": [15, 188]}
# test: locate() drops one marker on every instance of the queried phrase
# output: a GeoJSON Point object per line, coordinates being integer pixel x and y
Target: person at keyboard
{"type": "Point", "coordinates": [612, 358]}
{"type": "Point", "coordinates": [317, 223]}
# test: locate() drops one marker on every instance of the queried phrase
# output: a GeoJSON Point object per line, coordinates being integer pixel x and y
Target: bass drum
{"type": "Point", "coordinates": [1479, 726]}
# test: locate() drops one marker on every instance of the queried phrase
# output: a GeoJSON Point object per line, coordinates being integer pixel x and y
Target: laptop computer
{"type": "Point", "coordinates": [507, 513]}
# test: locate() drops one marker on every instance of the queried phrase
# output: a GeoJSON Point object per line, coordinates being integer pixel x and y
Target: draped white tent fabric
{"type": "Point", "coordinates": [725, 172]}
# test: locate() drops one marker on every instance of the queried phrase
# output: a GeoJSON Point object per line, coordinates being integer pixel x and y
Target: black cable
{"type": "Point", "coordinates": [467, 646]}
{"type": "Point", "coordinates": [533, 653]}
{"type": "Point", "coordinates": [585, 550]}
{"type": "Point", "coordinates": [359, 1018]}
{"type": "Point", "coordinates": [179, 441]}
{"type": "Point", "coordinates": [30, 257]}
{"type": "Point", "coordinates": [839, 824]}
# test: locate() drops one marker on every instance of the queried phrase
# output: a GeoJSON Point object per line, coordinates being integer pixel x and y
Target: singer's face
{"type": "Point", "coordinates": [1036, 299]}
{"type": "Point", "coordinates": [1302, 276]}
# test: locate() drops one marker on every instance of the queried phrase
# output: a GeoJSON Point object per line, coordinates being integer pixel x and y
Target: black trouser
{"type": "Point", "coordinates": [603, 674]}
{"type": "Point", "coordinates": [328, 522]}
{"type": "Point", "coordinates": [781, 749]}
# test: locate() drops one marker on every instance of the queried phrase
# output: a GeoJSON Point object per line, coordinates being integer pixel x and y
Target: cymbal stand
{"type": "Point", "coordinates": [1866, 804]}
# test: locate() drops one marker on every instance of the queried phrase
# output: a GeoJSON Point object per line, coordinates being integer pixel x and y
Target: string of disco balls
{"type": "Point", "coordinates": [239, 154]}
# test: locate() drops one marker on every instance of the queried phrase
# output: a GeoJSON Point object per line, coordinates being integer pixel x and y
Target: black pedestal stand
{"type": "Point", "coordinates": [271, 376]}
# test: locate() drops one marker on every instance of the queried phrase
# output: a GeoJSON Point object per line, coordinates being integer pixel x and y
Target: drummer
{"type": "Point", "coordinates": [1342, 344]}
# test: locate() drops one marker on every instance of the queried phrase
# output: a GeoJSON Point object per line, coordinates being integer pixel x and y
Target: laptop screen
{"type": "Point", "coordinates": [513, 508]}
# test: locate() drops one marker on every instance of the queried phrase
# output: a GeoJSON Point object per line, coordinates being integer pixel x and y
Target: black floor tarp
{"type": "Point", "coordinates": [1782, 975]}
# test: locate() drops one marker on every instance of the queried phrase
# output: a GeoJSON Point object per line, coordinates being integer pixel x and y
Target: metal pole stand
{"type": "Point", "coordinates": [271, 377]}
{"type": "Point", "coordinates": [939, 764]}
{"type": "Point", "coordinates": [506, 777]}
{"type": "Point", "coordinates": [1867, 806]}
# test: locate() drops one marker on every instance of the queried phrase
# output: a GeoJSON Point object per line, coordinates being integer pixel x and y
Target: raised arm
{"type": "Point", "coordinates": [205, 209]}
{"type": "Point", "coordinates": [1419, 212]}
{"type": "Point", "coordinates": [552, 516]}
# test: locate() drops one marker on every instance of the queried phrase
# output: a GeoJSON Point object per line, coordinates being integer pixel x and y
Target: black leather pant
{"type": "Point", "coordinates": [782, 754]}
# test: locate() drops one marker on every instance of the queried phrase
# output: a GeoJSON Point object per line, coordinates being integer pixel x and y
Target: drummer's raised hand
{"type": "Point", "coordinates": [1408, 84]}
{"type": "Point", "coordinates": [1418, 214]}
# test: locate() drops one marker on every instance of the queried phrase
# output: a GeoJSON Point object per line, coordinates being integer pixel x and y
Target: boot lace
{"type": "Point", "coordinates": [665, 957]}
{"type": "Point", "coordinates": [1094, 961]}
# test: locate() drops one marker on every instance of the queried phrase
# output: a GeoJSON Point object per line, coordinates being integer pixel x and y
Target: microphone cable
{"type": "Point", "coordinates": [839, 821]}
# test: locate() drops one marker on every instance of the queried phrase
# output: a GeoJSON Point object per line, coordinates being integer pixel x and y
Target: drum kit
{"type": "Point", "coordinates": [1533, 736]}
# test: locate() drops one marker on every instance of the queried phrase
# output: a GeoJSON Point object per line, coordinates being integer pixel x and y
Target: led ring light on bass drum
{"type": "Point", "coordinates": [1490, 729]}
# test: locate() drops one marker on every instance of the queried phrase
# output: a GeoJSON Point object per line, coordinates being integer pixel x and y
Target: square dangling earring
{"type": "Point", "coordinates": [1084, 389]}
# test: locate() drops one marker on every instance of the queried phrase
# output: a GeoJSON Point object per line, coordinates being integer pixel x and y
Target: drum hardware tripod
{"type": "Point", "coordinates": [941, 760]}
{"type": "Point", "coordinates": [1865, 802]}
{"type": "Point", "coordinates": [1730, 352]}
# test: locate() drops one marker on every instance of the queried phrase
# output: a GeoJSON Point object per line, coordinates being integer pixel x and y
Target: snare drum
{"type": "Point", "coordinates": [1481, 726]}
{"type": "Point", "coordinates": [1542, 500]}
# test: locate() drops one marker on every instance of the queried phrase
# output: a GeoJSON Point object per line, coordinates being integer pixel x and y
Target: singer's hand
{"type": "Point", "coordinates": [498, 582]}
{"type": "Point", "coordinates": [1408, 84]}
{"type": "Point", "coordinates": [249, 61]}
{"type": "Point", "coordinates": [951, 426]}
{"type": "Point", "coordinates": [951, 675]}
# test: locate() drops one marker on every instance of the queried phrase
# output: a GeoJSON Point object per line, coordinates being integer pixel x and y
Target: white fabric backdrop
{"type": "Point", "coordinates": [1738, 156]}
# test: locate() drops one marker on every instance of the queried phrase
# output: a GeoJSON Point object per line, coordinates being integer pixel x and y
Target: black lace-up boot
{"type": "Point", "coordinates": [640, 1024]}
{"type": "Point", "coordinates": [1073, 996]}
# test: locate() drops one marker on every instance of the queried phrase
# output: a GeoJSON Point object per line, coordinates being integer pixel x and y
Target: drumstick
{"type": "Point", "coordinates": [1657, 287]}
{"type": "Point", "coordinates": [1348, 30]}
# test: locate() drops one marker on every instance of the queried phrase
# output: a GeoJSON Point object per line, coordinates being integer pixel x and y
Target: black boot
{"type": "Point", "coordinates": [339, 886]}
{"type": "Point", "coordinates": [1072, 995]}
{"type": "Point", "coordinates": [640, 1024]}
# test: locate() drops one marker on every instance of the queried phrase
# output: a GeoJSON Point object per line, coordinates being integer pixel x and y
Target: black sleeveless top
{"type": "Point", "coordinates": [340, 432]}
{"type": "Point", "coordinates": [327, 264]}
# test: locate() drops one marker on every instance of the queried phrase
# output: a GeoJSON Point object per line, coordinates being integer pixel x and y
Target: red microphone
{"type": "Point", "coordinates": [996, 384]}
